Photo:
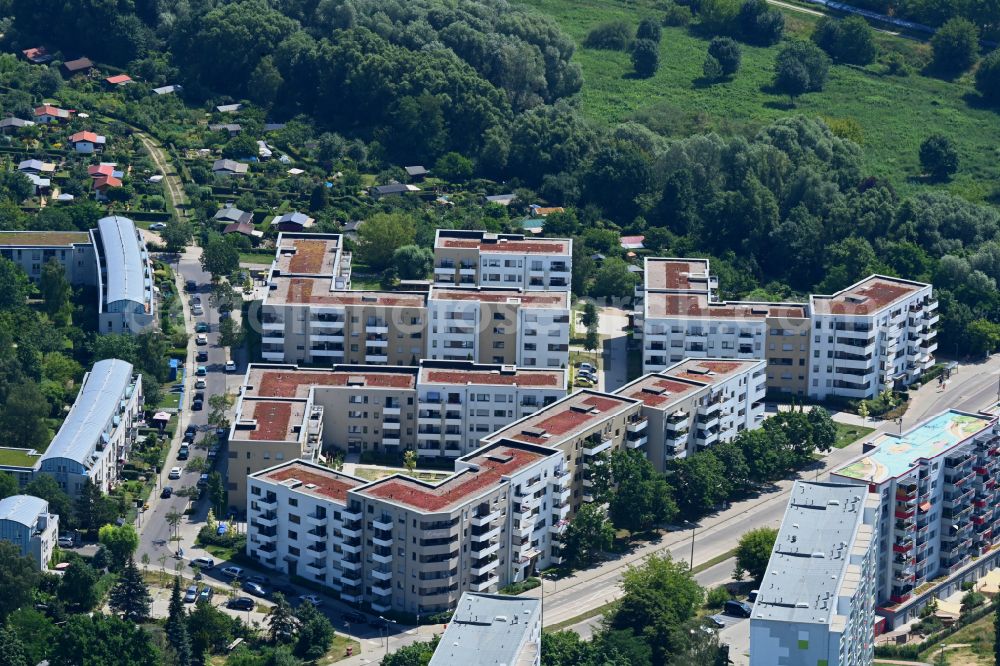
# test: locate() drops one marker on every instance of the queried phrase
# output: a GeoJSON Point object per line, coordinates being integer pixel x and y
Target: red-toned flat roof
{"type": "Point", "coordinates": [568, 416]}
{"type": "Point", "coordinates": [654, 390]}
{"type": "Point", "coordinates": [494, 463]}
{"type": "Point", "coordinates": [699, 369]}
{"type": "Point", "coordinates": [327, 482]}
{"type": "Point", "coordinates": [317, 291]}
{"type": "Point", "coordinates": [287, 383]}
{"type": "Point", "coordinates": [866, 297]}
{"type": "Point", "coordinates": [309, 255]}
{"type": "Point", "coordinates": [552, 299]}
{"type": "Point", "coordinates": [660, 304]}
{"type": "Point", "coordinates": [118, 78]}
{"type": "Point", "coordinates": [539, 246]}
{"type": "Point", "coordinates": [520, 377]}
{"type": "Point", "coordinates": [676, 274]}
{"type": "Point", "coordinates": [273, 418]}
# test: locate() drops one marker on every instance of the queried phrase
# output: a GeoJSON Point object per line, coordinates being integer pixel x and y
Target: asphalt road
{"type": "Point", "coordinates": [154, 529]}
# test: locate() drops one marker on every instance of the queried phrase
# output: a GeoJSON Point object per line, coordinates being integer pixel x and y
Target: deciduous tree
{"type": "Point", "coordinates": [955, 46]}
{"type": "Point", "coordinates": [939, 157]}
{"type": "Point", "coordinates": [754, 551]}
{"type": "Point", "coordinates": [589, 533]}
{"type": "Point", "coordinates": [381, 235]}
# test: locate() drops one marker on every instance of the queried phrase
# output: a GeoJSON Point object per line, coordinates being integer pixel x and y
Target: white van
{"type": "Point", "coordinates": [230, 366]}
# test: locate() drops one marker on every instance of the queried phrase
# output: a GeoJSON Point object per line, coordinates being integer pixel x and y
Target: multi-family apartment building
{"type": "Point", "coordinates": [311, 255]}
{"type": "Point", "coordinates": [936, 485]}
{"type": "Point", "coordinates": [484, 259]}
{"type": "Point", "coordinates": [816, 603]}
{"type": "Point", "coordinates": [492, 325]}
{"type": "Point", "coordinates": [286, 412]}
{"type": "Point", "coordinates": [99, 430]}
{"type": "Point", "coordinates": [581, 426]}
{"type": "Point", "coordinates": [25, 521]}
{"type": "Point", "coordinates": [112, 257]}
{"type": "Point", "coordinates": [497, 628]}
{"type": "Point", "coordinates": [872, 336]}
{"type": "Point", "coordinates": [31, 250]}
{"type": "Point", "coordinates": [407, 545]}
{"type": "Point", "coordinates": [461, 402]}
{"type": "Point", "coordinates": [695, 404]}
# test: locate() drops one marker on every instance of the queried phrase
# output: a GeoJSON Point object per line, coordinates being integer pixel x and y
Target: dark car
{"type": "Point", "coordinates": [166, 492]}
{"type": "Point", "coordinates": [242, 603]}
{"type": "Point", "coordinates": [202, 357]}
{"type": "Point", "coordinates": [196, 405]}
{"type": "Point", "coordinates": [191, 285]}
{"type": "Point", "coordinates": [183, 453]}
{"type": "Point", "coordinates": [737, 608]}
{"type": "Point", "coordinates": [254, 589]}
{"type": "Point", "coordinates": [285, 589]}
{"type": "Point", "coordinates": [354, 617]}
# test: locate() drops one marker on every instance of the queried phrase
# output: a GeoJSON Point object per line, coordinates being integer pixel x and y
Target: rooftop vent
{"type": "Point", "coordinates": [356, 380]}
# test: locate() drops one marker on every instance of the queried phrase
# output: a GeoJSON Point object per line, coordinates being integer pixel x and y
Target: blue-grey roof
{"type": "Point", "coordinates": [95, 405]}
{"type": "Point", "coordinates": [296, 217]}
{"type": "Point", "coordinates": [495, 628]}
{"type": "Point", "coordinates": [23, 509]}
{"type": "Point", "coordinates": [123, 261]}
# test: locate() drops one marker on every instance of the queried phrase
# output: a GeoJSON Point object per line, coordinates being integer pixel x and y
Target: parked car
{"type": "Point", "coordinates": [203, 480]}
{"type": "Point", "coordinates": [201, 339]}
{"type": "Point", "coordinates": [737, 608]}
{"type": "Point", "coordinates": [201, 371]}
{"type": "Point", "coordinates": [196, 300]}
{"type": "Point", "coordinates": [192, 430]}
{"type": "Point", "coordinates": [752, 597]}
{"type": "Point", "coordinates": [201, 327]}
{"type": "Point", "coordinates": [200, 383]}
{"type": "Point", "coordinates": [175, 473]}
{"type": "Point", "coordinates": [191, 285]}
{"type": "Point", "coordinates": [586, 367]}
{"type": "Point", "coordinates": [232, 572]}
{"type": "Point", "coordinates": [203, 562]}
{"type": "Point", "coordinates": [377, 622]}
{"type": "Point", "coordinates": [201, 356]}
{"type": "Point", "coordinates": [254, 589]}
{"type": "Point", "coordinates": [589, 375]}
{"type": "Point", "coordinates": [206, 594]}
{"type": "Point", "coordinates": [285, 589]}
{"type": "Point", "coordinates": [242, 603]}
{"type": "Point", "coordinates": [310, 599]}
{"type": "Point", "coordinates": [191, 595]}
{"type": "Point", "coordinates": [157, 226]}
{"type": "Point", "coordinates": [167, 492]}
{"type": "Point", "coordinates": [197, 311]}
{"type": "Point", "coordinates": [67, 541]}
{"type": "Point", "coordinates": [584, 382]}
{"type": "Point", "coordinates": [715, 622]}
{"type": "Point", "coordinates": [354, 617]}
{"type": "Point", "coordinates": [257, 578]}
{"type": "Point", "coordinates": [230, 366]}
{"type": "Point", "coordinates": [183, 453]}
{"type": "Point", "coordinates": [196, 405]}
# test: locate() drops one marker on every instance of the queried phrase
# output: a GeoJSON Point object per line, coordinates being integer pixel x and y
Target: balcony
{"type": "Point", "coordinates": [382, 557]}
{"type": "Point", "coordinates": [380, 606]}
{"type": "Point", "coordinates": [479, 521]}
{"type": "Point", "coordinates": [636, 443]}
{"type": "Point", "coordinates": [484, 567]}
{"type": "Point", "coordinates": [380, 574]}
{"type": "Point", "coordinates": [350, 565]}
{"type": "Point", "coordinates": [385, 542]}
{"type": "Point", "coordinates": [485, 548]}
{"type": "Point", "coordinates": [353, 546]}
{"type": "Point", "coordinates": [593, 448]}
{"type": "Point", "coordinates": [391, 411]}
{"type": "Point", "coordinates": [486, 536]}
{"type": "Point", "coordinates": [266, 505]}
{"type": "Point", "coordinates": [637, 426]}
{"type": "Point", "coordinates": [351, 531]}
{"type": "Point", "coordinates": [269, 519]}
{"type": "Point", "coordinates": [382, 591]}
{"type": "Point", "coordinates": [265, 537]}
{"type": "Point", "coordinates": [317, 569]}
{"type": "Point", "coordinates": [484, 584]}
{"type": "Point", "coordinates": [377, 329]}
{"type": "Point", "coordinates": [316, 521]}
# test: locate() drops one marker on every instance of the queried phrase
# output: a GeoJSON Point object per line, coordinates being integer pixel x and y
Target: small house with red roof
{"type": "Point", "coordinates": [47, 113]}
{"type": "Point", "coordinates": [38, 55]}
{"type": "Point", "coordinates": [87, 142]}
{"type": "Point", "coordinates": [117, 80]}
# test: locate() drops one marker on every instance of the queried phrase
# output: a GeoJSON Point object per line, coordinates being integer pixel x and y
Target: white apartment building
{"type": "Point", "coordinates": [497, 628]}
{"type": "Point", "coordinates": [125, 277]}
{"type": "Point", "coordinates": [484, 259]}
{"type": "Point", "coordinates": [461, 402]}
{"type": "Point", "coordinates": [508, 326]}
{"type": "Point", "coordinates": [406, 545]}
{"type": "Point", "coordinates": [102, 425]}
{"type": "Point", "coordinates": [25, 521]}
{"type": "Point", "coordinates": [695, 404]}
{"type": "Point", "coordinates": [873, 335]}
{"type": "Point", "coordinates": [31, 250]}
{"type": "Point", "coordinates": [936, 484]}
{"type": "Point", "coordinates": [816, 603]}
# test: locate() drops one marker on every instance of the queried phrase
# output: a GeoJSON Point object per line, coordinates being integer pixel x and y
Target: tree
{"type": "Point", "coordinates": [281, 622]}
{"type": "Point", "coordinates": [759, 24]}
{"type": "Point", "coordinates": [37, 632]}
{"type": "Point", "coordinates": [800, 67]}
{"type": "Point", "coordinates": [593, 339]}
{"type": "Point", "coordinates": [217, 492]}
{"type": "Point", "coordinates": [955, 46]}
{"type": "Point", "coordinates": [645, 58]}
{"type": "Point", "coordinates": [754, 551]}
{"type": "Point", "coordinates": [701, 483]}
{"type": "Point", "coordinates": [93, 508]}
{"type": "Point", "coordinates": [939, 157]}
{"type": "Point", "coordinates": [613, 278]}
{"type": "Point", "coordinates": [177, 235]}
{"type": "Point", "coordinates": [659, 590]}
{"type": "Point", "coordinates": [103, 640]}
{"type": "Point", "coordinates": [12, 652]}
{"type": "Point", "coordinates": [641, 499]}
{"type": "Point", "coordinates": [219, 257]}
{"type": "Point", "coordinates": [210, 629]}
{"type": "Point", "coordinates": [413, 262]}
{"type": "Point", "coordinates": [824, 430]}
{"type": "Point", "coordinates": [453, 167]}
{"type": "Point", "coordinates": [988, 77]}
{"type": "Point", "coordinates": [8, 485]}
{"type": "Point", "coordinates": [381, 235]}
{"type": "Point", "coordinates": [130, 596]}
{"type": "Point", "coordinates": [78, 587]}
{"type": "Point", "coordinates": [315, 633]}
{"type": "Point", "coordinates": [649, 29]}
{"type": "Point", "coordinates": [996, 634]}
{"type": "Point", "coordinates": [719, 17]}
{"type": "Point", "coordinates": [590, 316]}
{"type": "Point", "coordinates": [241, 146]}
{"type": "Point", "coordinates": [728, 54]}
{"type": "Point", "coordinates": [415, 654]}
{"type": "Point", "coordinates": [589, 533]}
{"type": "Point", "coordinates": [13, 285]}
{"type": "Point", "coordinates": [19, 576]}
{"type": "Point", "coordinates": [176, 626]}
{"type": "Point", "coordinates": [611, 36]}
{"type": "Point", "coordinates": [55, 289]}
{"type": "Point", "coordinates": [857, 42]}
{"type": "Point", "coordinates": [230, 333]}
{"type": "Point", "coordinates": [410, 460]}
{"type": "Point", "coordinates": [121, 542]}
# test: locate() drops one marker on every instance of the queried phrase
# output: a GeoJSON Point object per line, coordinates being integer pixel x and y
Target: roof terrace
{"type": "Point", "coordinates": [565, 418]}
{"type": "Point", "coordinates": [677, 274]}
{"type": "Point", "coordinates": [317, 254]}
{"type": "Point", "coordinates": [697, 305]}
{"type": "Point", "coordinates": [535, 299]}
{"type": "Point", "coordinates": [270, 420]}
{"type": "Point", "coordinates": [293, 382]}
{"type": "Point", "coordinates": [312, 479]}
{"type": "Point", "coordinates": [318, 291]}
{"type": "Point", "coordinates": [866, 297]}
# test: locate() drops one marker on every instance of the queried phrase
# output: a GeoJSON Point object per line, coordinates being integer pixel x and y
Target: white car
{"type": "Point", "coordinates": [230, 366]}
{"type": "Point", "coordinates": [196, 310]}
{"type": "Point", "coordinates": [157, 226]}
{"type": "Point", "coordinates": [175, 473]}
{"type": "Point", "coordinates": [200, 384]}
{"type": "Point", "coordinates": [201, 339]}
{"type": "Point", "coordinates": [311, 599]}
{"type": "Point", "coordinates": [232, 572]}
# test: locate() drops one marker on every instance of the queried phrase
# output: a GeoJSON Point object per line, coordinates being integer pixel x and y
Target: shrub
{"type": "Point", "coordinates": [801, 67]}
{"type": "Point", "coordinates": [717, 596]}
{"type": "Point", "coordinates": [612, 36]}
{"type": "Point", "coordinates": [988, 77]}
{"type": "Point", "coordinates": [851, 40]}
{"type": "Point", "coordinates": [677, 15]}
{"type": "Point", "coordinates": [649, 29]}
{"type": "Point", "coordinates": [896, 65]}
{"type": "Point", "coordinates": [759, 24]}
{"type": "Point", "coordinates": [645, 58]}
{"type": "Point", "coordinates": [955, 46]}
{"type": "Point", "coordinates": [727, 52]}
{"type": "Point", "coordinates": [938, 157]}
{"type": "Point", "coordinates": [711, 69]}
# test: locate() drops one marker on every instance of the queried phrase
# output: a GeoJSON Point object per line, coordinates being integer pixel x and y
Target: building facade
{"type": "Point", "coordinates": [491, 325]}
{"type": "Point", "coordinates": [102, 425]}
{"type": "Point", "coordinates": [695, 404]}
{"type": "Point", "coordinates": [872, 336]}
{"type": "Point", "coordinates": [31, 250]}
{"type": "Point", "coordinates": [484, 259]}
{"type": "Point", "coordinates": [936, 484]}
{"type": "Point", "coordinates": [816, 603]}
{"type": "Point", "coordinates": [125, 277]}
{"type": "Point", "coordinates": [25, 521]}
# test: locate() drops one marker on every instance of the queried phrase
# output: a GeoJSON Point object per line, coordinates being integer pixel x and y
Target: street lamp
{"type": "Point", "coordinates": [694, 528]}
{"type": "Point", "coordinates": [385, 625]}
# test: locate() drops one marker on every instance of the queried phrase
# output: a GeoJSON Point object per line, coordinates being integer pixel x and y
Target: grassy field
{"type": "Point", "coordinates": [894, 113]}
{"type": "Point", "coordinates": [846, 434]}
{"type": "Point", "coordinates": [977, 641]}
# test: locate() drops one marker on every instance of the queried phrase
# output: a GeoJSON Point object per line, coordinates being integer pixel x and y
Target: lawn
{"type": "Point", "coordinates": [979, 637]}
{"type": "Point", "coordinates": [338, 650]}
{"type": "Point", "coordinates": [894, 114]}
{"type": "Point", "coordinates": [847, 434]}
{"type": "Point", "coordinates": [256, 259]}
{"type": "Point", "coordinates": [376, 473]}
